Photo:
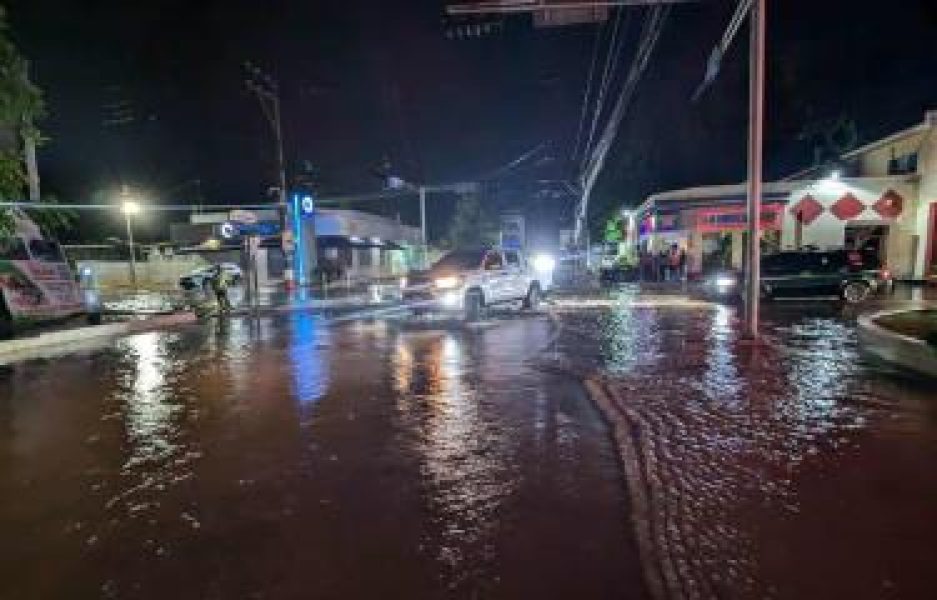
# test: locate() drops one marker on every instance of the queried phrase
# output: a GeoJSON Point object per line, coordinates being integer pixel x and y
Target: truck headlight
{"type": "Point", "coordinates": [725, 282]}
{"type": "Point", "coordinates": [446, 283]}
{"type": "Point", "coordinates": [544, 263]}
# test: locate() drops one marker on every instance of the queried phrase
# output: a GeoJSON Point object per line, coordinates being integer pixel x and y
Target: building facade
{"type": "Point", "coordinates": [350, 245]}
{"type": "Point", "coordinates": [882, 199]}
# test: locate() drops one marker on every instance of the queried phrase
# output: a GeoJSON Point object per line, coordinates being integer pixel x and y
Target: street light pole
{"type": "Point", "coordinates": [133, 258]}
{"type": "Point", "coordinates": [424, 248]}
{"type": "Point", "coordinates": [755, 156]}
{"type": "Point", "coordinates": [130, 207]}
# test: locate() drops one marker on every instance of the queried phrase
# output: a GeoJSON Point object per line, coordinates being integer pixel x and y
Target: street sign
{"type": "Point", "coordinates": [231, 230]}
{"type": "Point", "coordinates": [247, 217]}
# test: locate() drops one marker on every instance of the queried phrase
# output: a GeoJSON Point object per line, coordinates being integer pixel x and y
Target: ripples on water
{"type": "Point", "coordinates": [724, 426]}
{"type": "Point", "coordinates": [466, 457]}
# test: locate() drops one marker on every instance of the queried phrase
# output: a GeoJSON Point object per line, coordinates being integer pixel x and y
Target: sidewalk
{"type": "Point", "coordinates": [144, 310]}
{"type": "Point", "coordinates": [38, 343]}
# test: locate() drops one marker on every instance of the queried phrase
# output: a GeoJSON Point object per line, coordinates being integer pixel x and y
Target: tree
{"type": "Point", "coordinates": [52, 221]}
{"type": "Point", "coordinates": [613, 230]}
{"type": "Point", "coordinates": [21, 106]}
{"type": "Point", "coordinates": [470, 225]}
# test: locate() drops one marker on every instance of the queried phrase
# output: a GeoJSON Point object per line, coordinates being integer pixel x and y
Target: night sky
{"type": "Point", "coordinates": [151, 94]}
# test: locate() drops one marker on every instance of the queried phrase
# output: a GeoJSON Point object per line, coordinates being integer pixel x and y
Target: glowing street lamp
{"type": "Point", "coordinates": [130, 207]}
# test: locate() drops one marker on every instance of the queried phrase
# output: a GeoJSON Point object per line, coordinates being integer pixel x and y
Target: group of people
{"type": "Point", "coordinates": [667, 265]}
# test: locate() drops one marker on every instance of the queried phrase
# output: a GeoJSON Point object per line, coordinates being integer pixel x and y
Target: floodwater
{"type": "Point", "coordinates": [794, 468]}
{"type": "Point", "coordinates": [288, 457]}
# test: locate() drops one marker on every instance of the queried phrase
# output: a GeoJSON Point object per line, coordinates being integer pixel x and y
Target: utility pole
{"type": "Point", "coordinates": [267, 91]}
{"type": "Point", "coordinates": [755, 156]}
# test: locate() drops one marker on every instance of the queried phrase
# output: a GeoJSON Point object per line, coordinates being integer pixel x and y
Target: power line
{"type": "Point", "coordinates": [715, 58]}
{"type": "Point", "coordinates": [603, 89]}
{"type": "Point", "coordinates": [527, 6]}
{"type": "Point", "coordinates": [585, 99]}
{"type": "Point", "coordinates": [512, 164]}
{"type": "Point", "coordinates": [653, 25]}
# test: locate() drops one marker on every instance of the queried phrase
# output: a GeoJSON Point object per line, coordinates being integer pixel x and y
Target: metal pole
{"type": "Point", "coordinates": [424, 249]}
{"type": "Point", "coordinates": [133, 258]}
{"type": "Point", "coordinates": [755, 149]}
{"type": "Point", "coordinates": [283, 209]}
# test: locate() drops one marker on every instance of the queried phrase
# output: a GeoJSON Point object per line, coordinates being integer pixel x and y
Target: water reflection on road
{"type": "Point", "coordinates": [286, 457]}
{"type": "Point", "coordinates": [794, 468]}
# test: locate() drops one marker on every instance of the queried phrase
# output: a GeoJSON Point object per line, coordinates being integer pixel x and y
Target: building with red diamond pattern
{"type": "Point", "coordinates": [881, 199]}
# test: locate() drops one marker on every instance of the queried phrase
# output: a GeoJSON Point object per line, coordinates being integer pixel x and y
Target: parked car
{"type": "Point", "coordinates": [200, 277]}
{"type": "Point", "coordinates": [468, 281]}
{"type": "Point", "coordinates": [835, 274]}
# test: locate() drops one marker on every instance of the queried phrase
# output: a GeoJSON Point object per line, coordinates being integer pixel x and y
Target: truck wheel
{"type": "Point", "coordinates": [532, 300]}
{"type": "Point", "coordinates": [855, 292]}
{"type": "Point", "coordinates": [474, 306]}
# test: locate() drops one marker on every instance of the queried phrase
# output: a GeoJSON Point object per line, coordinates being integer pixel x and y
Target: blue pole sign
{"type": "Point", "coordinates": [304, 207]}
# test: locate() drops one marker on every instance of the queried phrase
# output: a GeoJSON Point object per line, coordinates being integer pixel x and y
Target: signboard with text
{"type": "Point", "coordinates": [734, 218]}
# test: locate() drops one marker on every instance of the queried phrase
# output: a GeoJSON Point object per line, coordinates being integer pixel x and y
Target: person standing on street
{"type": "Point", "coordinates": [219, 285]}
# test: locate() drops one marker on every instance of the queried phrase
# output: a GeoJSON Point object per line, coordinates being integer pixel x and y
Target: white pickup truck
{"type": "Point", "coordinates": [468, 281]}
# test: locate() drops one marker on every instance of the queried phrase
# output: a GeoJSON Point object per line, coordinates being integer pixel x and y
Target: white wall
{"type": "Point", "coordinates": [927, 193]}
{"type": "Point", "coordinates": [828, 231]}
{"type": "Point", "coordinates": [156, 274]}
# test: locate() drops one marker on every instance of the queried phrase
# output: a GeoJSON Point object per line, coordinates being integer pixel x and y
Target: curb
{"type": "Point", "coordinates": [896, 348]}
{"type": "Point", "coordinates": [23, 348]}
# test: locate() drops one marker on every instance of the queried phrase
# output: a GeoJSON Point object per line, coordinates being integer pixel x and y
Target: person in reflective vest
{"type": "Point", "coordinates": [219, 285]}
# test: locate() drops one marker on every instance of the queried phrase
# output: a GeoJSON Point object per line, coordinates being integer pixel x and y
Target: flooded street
{"type": "Point", "coordinates": [287, 457]}
{"type": "Point", "coordinates": [796, 468]}
{"type": "Point", "coordinates": [296, 457]}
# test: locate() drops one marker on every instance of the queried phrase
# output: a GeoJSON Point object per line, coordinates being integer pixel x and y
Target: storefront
{"type": "Point", "coordinates": [880, 199]}
{"type": "Point", "coordinates": [708, 223]}
{"type": "Point", "coordinates": [350, 245]}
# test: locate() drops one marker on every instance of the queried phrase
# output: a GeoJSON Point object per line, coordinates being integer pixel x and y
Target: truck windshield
{"type": "Point", "coordinates": [460, 259]}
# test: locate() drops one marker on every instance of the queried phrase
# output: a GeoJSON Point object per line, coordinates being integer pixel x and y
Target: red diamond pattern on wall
{"type": "Point", "coordinates": [847, 207]}
{"type": "Point", "coordinates": [808, 209]}
{"type": "Point", "coordinates": [889, 205]}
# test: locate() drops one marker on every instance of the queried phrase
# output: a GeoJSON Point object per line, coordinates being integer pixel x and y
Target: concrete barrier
{"type": "Point", "coordinates": [902, 350]}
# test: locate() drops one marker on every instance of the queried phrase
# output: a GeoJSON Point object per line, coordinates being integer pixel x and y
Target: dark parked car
{"type": "Point", "coordinates": [836, 274]}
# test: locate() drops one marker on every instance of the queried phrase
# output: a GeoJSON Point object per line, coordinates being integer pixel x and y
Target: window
{"type": "Point", "coordinates": [903, 165]}
{"type": "Point", "coordinates": [494, 262]}
{"type": "Point", "coordinates": [785, 263]}
{"type": "Point", "coordinates": [364, 257]}
{"type": "Point", "coordinates": [513, 259]}
{"type": "Point", "coordinates": [45, 251]}
{"type": "Point", "coordinates": [13, 249]}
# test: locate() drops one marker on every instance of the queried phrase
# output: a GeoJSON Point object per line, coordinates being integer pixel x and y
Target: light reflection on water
{"type": "Point", "coordinates": [150, 404]}
{"type": "Point", "coordinates": [465, 458]}
{"type": "Point", "coordinates": [309, 357]}
{"type": "Point", "coordinates": [721, 382]}
{"type": "Point", "coordinates": [724, 425]}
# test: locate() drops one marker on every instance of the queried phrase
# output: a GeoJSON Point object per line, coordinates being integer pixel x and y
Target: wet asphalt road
{"type": "Point", "coordinates": [292, 457]}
